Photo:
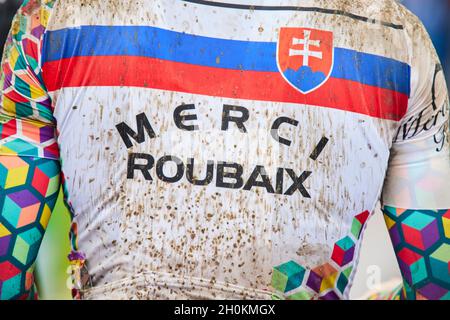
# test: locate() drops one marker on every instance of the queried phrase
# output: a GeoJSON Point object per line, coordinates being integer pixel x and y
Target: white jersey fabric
{"type": "Point", "coordinates": [231, 150]}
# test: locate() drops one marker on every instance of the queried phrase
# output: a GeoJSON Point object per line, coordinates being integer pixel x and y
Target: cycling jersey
{"type": "Point", "coordinates": [224, 149]}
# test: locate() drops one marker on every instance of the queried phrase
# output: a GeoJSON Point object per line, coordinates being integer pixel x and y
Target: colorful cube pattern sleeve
{"type": "Point", "coordinates": [416, 201]}
{"type": "Point", "coordinates": [29, 160]}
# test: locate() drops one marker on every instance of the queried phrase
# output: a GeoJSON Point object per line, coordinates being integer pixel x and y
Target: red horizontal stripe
{"type": "Point", "coordinates": [251, 85]}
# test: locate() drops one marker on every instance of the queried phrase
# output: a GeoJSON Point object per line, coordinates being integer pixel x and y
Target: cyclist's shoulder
{"type": "Point", "coordinates": [34, 15]}
{"type": "Point", "coordinates": [386, 11]}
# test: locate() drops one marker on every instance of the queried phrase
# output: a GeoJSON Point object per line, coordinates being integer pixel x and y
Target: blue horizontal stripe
{"type": "Point", "coordinates": [163, 44]}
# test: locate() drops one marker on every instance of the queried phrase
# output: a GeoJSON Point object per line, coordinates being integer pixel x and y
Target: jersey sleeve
{"type": "Point", "coordinates": [27, 125]}
{"type": "Point", "coordinates": [418, 175]}
{"type": "Point", "coordinates": [29, 167]}
{"type": "Point", "coordinates": [415, 199]}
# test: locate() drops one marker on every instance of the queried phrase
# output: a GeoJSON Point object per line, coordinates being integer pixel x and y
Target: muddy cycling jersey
{"type": "Point", "coordinates": [226, 149]}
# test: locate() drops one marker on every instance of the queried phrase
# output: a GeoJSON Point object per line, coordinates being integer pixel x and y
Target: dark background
{"type": "Point", "coordinates": [7, 10]}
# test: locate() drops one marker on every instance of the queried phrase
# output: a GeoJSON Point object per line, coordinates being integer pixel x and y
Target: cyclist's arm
{"type": "Point", "coordinates": [29, 160]}
{"type": "Point", "coordinates": [416, 198]}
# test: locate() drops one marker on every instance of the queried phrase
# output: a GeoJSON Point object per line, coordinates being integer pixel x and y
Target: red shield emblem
{"type": "Point", "coordinates": [305, 57]}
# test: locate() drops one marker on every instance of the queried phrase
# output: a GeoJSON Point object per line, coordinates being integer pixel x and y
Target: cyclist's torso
{"type": "Point", "coordinates": [218, 150]}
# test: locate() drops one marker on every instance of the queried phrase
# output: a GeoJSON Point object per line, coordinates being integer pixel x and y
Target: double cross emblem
{"type": "Point", "coordinates": [306, 52]}
{"type": "Point", "coordinates": [305, 57]}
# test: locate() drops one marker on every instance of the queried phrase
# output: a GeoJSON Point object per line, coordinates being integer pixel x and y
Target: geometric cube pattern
{"type": "Point", "coordinates": [412, 266]}
{"type": "Point", "coordinates": [288, 276]}
{"type": "Point", "coordinates": [24, 214]}
{"type": "Point", "coordinates": [328, 281]}
{"type": "Point", "coordinates": [343, 251]}
{"type": "Point", "coordinates": [358, 224]}
{"type": "Point", "coordinates": [440, 264]}
{"type": "Point", "coordinates": [26, 124]}
{"type": "Point", "coordinates": [422, 246]}
{"type": "Point", "coordinates": [322, 278]}
{"type": "Point", "coordinates": [12, 172]}
{"type": "Point", "coordinates": [20, 208]}
{"type": "Point", "coordinates": [420, 230]}
{"type": "Point", "coordinates": [10, 280]}
{"type": "Point", "coordinates": [29, 159]}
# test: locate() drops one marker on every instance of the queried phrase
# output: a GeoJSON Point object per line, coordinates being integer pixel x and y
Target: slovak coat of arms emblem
{"type": "Point", "coordinates": [305, 57]}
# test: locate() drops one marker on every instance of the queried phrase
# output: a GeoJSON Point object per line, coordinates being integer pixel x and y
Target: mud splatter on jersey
{"type": "Point", "coordinates": [226, 150]}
